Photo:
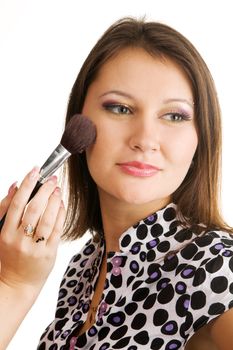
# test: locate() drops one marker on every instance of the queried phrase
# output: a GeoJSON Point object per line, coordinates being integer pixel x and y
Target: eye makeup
{"type": "Point", "coordinates": [185, 113]}
{"type": "Point", "coordinates": [116, 107]}
{"type": "Point", "coordinates": [178, 117]}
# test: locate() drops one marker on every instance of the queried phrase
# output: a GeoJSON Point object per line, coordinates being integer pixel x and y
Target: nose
{"type": "Point", "coordinates": [144, 137]}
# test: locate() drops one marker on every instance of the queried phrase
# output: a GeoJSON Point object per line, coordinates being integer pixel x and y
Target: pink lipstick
{"type": "Point", "coordinates": [139, 169]}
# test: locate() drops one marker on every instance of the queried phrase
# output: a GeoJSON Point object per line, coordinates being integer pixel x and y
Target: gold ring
{"type": "Point", "coordinates": [28, 230]}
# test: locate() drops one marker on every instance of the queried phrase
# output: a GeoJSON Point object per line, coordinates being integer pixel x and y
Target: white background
{"type": "Point", "coordinates": [42, 46]}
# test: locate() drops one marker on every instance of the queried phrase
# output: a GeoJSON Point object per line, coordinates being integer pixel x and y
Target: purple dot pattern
{"type": "Point", "coordinates": [161, 287]}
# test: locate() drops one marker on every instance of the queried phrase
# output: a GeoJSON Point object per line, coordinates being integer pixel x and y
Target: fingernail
{"type": "Point", "coordinates": [57, 191]}
{"type": "Point", "coordinates": [34, 173]}
{"type": "Point", "coordinates": [52, 179]}
{"type": "Point", "coordinates": [62, 205]}
{"type": "Point", "coordinates": [12, 187]}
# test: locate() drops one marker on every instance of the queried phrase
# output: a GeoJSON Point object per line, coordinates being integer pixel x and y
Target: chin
{"type": "Point", "coordinates": [137, 199]}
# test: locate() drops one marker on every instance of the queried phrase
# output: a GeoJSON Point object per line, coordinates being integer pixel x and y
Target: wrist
{"type": "Point", "coordinates": [16, 299]}
{"type": "Point", "coordinates": [19, 291]}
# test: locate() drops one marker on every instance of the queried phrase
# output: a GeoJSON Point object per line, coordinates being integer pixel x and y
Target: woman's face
{"type": "Point", "coordinates": [146, 137]}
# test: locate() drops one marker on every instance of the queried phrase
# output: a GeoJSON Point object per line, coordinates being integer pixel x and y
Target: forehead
{"type": "Point", "coordinates": [135, 69]}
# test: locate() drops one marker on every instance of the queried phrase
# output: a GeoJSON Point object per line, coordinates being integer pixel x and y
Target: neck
{"type": "Point", "coordinates": [117, 217]}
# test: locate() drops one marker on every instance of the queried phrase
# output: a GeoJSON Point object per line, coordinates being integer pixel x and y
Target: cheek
{"type": "Point", "coordinates": [98, 155]}
{"type": "Point", "coordinates": [93, 157]}
{"type": "Point", "coordinates": [181, 149]}
{"type": "Point", "coordinates": [108, 142]}
{"type": "Point", "coordinates": [94, 163]}
{"type": "Point", "coordinates": [100, 141]}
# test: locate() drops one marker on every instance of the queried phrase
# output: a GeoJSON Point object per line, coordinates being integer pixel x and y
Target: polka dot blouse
{"type": "Point", "coordinates": [151, 299]}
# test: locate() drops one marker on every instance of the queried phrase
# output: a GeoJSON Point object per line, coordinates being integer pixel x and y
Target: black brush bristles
{"type": "Point", "coordinates": [79, 133]}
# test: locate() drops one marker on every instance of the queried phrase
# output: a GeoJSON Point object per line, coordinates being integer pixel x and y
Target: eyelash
{"type": "Point", "coordinates": [182, 116]}
{"type": "Point", "coordinates": [111, 106]}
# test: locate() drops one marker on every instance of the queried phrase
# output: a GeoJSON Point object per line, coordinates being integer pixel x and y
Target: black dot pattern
{"type": "Point", "coordinates": [155, 297]}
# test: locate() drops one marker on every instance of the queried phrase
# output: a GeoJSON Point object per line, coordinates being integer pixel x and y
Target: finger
{"type": "Point", "coordinates": [48, 219]}
{"type": "Point", "coordinates": [37, 205]}
{"type": "Point", "coordinates": [20, 199]}
{"type": "Point", "coordinates": [56, 234]}
{"type": "Point", "coordinates": [5, 202]}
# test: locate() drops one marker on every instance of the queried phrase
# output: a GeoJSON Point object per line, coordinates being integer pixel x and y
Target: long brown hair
{"type": "Point", "coordinates": [197, 198]}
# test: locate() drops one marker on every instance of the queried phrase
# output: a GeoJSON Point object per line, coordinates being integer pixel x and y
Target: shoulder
{"type": "Point", "coordinates": [78, 265]}
{"type": "Point", "coordinates": [214, 274]}
{"type": "Point", "coordinates": [216, 335]}
{"type": "Point", "coordinates": [80, 259]}
{"type": "Point", "coordinates": [215, 243]}
{"type": "Point", "coordinates": [211, 251]}
{"type": "Point", "coordinates": [221, 330]}
{"type": "Point", "coordinates": [211, 290]}
{"type": "Point", "coordinates": [214, 236]}
{"type": "Point", "coordinates": [215, 249]}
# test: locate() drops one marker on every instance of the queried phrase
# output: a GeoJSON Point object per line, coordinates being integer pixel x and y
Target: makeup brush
{"type": "Point", "coordinates": [79, 133]}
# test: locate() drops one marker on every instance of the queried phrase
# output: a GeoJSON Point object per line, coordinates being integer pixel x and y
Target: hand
{"type": "Point", "coordinates": [27, 261]}
{"type": "Point", "coordinates": [5, 202]}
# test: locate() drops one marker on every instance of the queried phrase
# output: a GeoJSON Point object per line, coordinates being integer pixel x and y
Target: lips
{"type": "Point", "coordinates": [139, 169]}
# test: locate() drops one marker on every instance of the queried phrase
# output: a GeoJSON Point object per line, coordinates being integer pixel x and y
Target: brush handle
{"type": "Point", "coordinates": [36, 188]}
{"type": "Point", "coordinates": [54, 161]}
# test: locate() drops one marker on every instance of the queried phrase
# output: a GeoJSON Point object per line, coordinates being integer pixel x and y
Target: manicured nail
{"type": "Point", "coordinates": [52, 179]}
{"type": "Point", "coordinates": [57, 191]}
{"type": "Point", "coordinates": [12, 187]}
{"type": "Point", "coordinates": [34, 173]}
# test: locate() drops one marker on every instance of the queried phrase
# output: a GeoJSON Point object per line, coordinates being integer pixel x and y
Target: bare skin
{"type": "Point", "coordinates": [202, 339]}
{"type": "Point", "coordinates": [25, 264]}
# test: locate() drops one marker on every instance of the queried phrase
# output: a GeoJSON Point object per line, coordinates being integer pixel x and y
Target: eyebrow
{"type": "Point", "coordinates": [117, 92]}
{"type": "Point", "coordinates": [121, 93]}
{"type": "Point", "coordinates": [191, 104]}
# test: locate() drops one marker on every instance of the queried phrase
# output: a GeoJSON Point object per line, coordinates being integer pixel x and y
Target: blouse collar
{"type": "Point", "coordinates": [146, 231]}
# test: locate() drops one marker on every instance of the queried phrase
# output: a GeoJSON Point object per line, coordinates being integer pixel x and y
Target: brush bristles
{"type": "Point", "coordinates": [79, 133]}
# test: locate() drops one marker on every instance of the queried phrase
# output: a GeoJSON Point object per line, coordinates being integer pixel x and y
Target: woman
{"type": "Point", "coordinates": [27, 255]}
{"type": "Point", "coordinates": [157, 273]}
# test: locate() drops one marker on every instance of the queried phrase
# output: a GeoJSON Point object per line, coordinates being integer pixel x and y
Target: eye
{"type": "Point", "coordinates": [117, 108]}
{"type": "Point", "coordinates": [176, 117]}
